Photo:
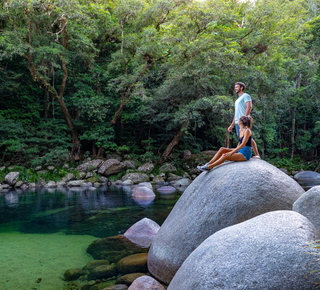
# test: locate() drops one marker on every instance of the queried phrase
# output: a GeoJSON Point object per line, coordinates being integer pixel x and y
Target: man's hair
{"type": "Point", "coordinates": [246, 121]}
{"type": "Point", "coordinates": [242, 85]}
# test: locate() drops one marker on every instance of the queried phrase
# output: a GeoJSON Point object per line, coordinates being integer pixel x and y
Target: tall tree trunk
{"type": "Point", "coordinates": [298, 83]}
{"type": "Point", "coordinates": [75, 150]}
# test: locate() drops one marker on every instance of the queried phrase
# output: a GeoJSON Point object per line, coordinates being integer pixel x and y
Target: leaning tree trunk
{"type": "Point", "coordinates": [75, 150]}
{"type": "Point", "coordinates": [174, 142]}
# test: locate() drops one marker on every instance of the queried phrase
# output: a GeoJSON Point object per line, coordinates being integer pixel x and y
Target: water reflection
{"type": "Point", "coordinates": [101, 212]}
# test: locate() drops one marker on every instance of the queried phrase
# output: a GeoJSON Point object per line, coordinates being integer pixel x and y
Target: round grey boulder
{"type": "Point", "coordinates": [136, 177]}
{"type": "Point", "coordinates": [309, 206]}
{"type": "Point", "coordinates": [147, 167]}
{"type": "Point", "coordinates": [89, 166]}
{"type": "Point", "coordinates": [307, 178]}
{"type": "Point", "coordinates": [266, 252]}
{"type": "Point", "coordinates": [11, 178]}
{"type": "Point", "coordinates": [111, 166]}
{"type": "Point", "coordinates": [227, 195]}
{"type": "Point", "coordinates": [142, 233]}
{"type": "Point", "coordinates": [142, 192]}
{"type": "Point", "coordinates": [146, 283]}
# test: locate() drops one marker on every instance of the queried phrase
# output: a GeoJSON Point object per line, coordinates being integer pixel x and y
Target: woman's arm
{"type": "Point", "coordinates": [246, 136]}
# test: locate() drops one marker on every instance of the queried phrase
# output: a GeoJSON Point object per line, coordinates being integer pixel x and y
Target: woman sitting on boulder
{"type": "Point", "coordinates": [243, 152]}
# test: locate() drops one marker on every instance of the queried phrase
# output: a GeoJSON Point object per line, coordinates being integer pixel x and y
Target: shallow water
{"type": "Point", "coordinates": [45, 232]}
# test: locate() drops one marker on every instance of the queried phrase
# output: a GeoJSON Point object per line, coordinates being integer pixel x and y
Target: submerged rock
{"type": "Point", "coordinates": [103, 271]}
{"type": "Point", "coordinates": [73, 274]}
{"type": "Point", "coordinates": [129, 278]}
{"type": "Point", "coordinates": [142, 192]}
{"type": "Point", "coordinates": [265, 252]}
{"type": "Point", "coordinates": [113, 248]}
{"type": "Point", "coordinates": [133, 264]}
{"type": "Point", "coordinates": [227, 195]}
{"type": "Point", "coordinates": [142, 233]}
{"type": "Point", "coordinates": [146, 283]}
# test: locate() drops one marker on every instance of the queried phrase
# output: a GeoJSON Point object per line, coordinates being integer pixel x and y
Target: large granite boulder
{"type": "Point", "coordinates": [307, 178]}
{"type": "Point", "coordinates": [142, 232]}
{"type": "Point", "coordinates": [11, 178]}
{"type": "Point", "coordinates": [309, 206]}
{"type": "Point", "coordinates": [227, 195]}
{"type": "Point", "coordinates": [90, 165]}
{"type": "Point", "coordinates": [266, 252]}
{"type": "Point", "coordinates": [111, 166]}
{"type": "Point", "coordinates": [136, 177]}
{"type": "Point", "coordinates": [142, 192]}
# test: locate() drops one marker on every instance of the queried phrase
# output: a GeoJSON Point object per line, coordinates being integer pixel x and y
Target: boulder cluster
{"type": "Point", "coordinates": [234, 228]}
{"type": "Point", "coordinates": [95, 173]}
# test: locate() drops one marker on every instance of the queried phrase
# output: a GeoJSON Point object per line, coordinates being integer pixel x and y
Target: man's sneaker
{"type": "Point", "coordinates": [203, 168]}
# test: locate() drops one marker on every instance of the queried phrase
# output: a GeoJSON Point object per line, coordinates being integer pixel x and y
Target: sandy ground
{"type": "Point", "coordinates": [25, 258]}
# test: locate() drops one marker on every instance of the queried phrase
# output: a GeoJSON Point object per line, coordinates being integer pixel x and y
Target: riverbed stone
{"type": "Point", "coordinates": [75, 183]}
{"type": "Point", "coordinates": [51, 184]}
{"type": "Point", "coordinates": [69, 177]}
{"type": "Point", "coordinates": [11, 178]}
{"type": "Point", "coordinates": [142, 192]}
{"type": "Point", "coordinates": [147, 167]}
{"type": "Point", "coordinates": [228, 194]}
{"type": "Point", "coordinates": [94, 264]}
{"type": "Point", "coordinates": [90, 165]}
{"type": "Point", "coordinates": [32, 184]}
{"type": "Point", "coordinates": [111, 166]}
{"type": "Point", "coordinates": [146, 283]}
{"type": "Point", "coordinates": [181, 183]}
{"type": "Point", "coordinates": [136, 178]}
{"type": "Point", "coordinates": [168, 189]}
{"type": "Point", "coordinates": [146, 184]}
{"type": "Point", "coordinates": [5, 186]}
{"type": "Point", "coordinates": [129, 278]}
{"type": "Point", "coordinates": [309, 205]}
{"type": "Point", "coordinates": [307, 178]}
{"type": "Point", "coordinates": [19, 183]}
{"type": "Point", "coordinates": [103, 271]}
{"type": "Point", "coordinates": [159, 179]}
{"type": "Point", "coordinates": [73, 274]}
{"type": "Point", "coordinates": [265, 252]}
{"type": "Point", "coordinates": [142, 233]}
{"type": "Point", "coordinates": [127, 182]}
{"type": "Point", "coordinates": [133, 263]}
{"type": "Point", "coordinates": [130, 164]}
{"type": "Point", "coordinates": [113, 248]}
{"type": "Point", "coordinates": [172, 178]}
{"type": "Point", "coordinates": [117, 287]}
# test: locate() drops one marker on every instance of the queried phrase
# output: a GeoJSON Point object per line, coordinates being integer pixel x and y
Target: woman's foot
{"type": "Point", "coordinates": [256, 156]}
{"type": "Point", "coordinates": [203, 168]}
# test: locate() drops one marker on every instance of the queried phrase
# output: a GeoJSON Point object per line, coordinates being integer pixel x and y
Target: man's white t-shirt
{"type": "Point", "coordinates": [240, 106]}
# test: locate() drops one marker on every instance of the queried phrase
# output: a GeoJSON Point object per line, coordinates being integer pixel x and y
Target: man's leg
{"type": "Point", "coordinates": [255, 150]}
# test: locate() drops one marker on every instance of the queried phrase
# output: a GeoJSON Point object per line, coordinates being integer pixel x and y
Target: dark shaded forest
{"type": "Point", "coordinates": [152, 78]}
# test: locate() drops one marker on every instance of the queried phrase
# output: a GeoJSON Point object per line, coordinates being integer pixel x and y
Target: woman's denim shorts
{"type": "Point", "coordinates": [246, 151]}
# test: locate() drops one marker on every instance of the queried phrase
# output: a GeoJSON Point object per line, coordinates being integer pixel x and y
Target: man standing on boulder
{"type": "Point", "coordinates": [243, 106]}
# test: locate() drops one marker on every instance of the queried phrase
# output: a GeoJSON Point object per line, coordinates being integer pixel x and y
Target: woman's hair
{"type": "Point", "coordinates": [246, 121]}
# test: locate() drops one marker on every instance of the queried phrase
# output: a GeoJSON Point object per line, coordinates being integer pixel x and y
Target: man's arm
{"type": "Point", "coordinates": [232, 125]}
{"type": "Point", "coordinates": [248, 108]}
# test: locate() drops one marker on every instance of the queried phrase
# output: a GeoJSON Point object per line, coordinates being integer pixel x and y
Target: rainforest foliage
{"type": "Point", "coordinates": [152, 78]}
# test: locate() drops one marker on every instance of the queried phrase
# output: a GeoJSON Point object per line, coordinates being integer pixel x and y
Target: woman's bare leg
{"type": "Point", "coordinates": [221, 151]}
{"type": "Point", "coordinates": [233, 157]}
{"type": "Point", "coordinates": [255, 149]}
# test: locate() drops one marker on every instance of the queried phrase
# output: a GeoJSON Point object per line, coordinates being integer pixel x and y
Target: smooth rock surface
{"type": "Point", "coordinates": [227, 195]}
{"type": "Point", "coordinates": [147, 167]}
{"type": "Point", "coordinates": [309, 206]}
{"type": "Point", "coordinates": [142, 192]}
{"type": "Point", "coordinates": [129, 278]}
{"type": "Point", "coordinates": [266, 252]}
{"type": "Point", "coordinates": [307, 178]}
{"type": "Point", "coordinates": [136, 177]}
{"type": "Point", "coordinates": [90, 165]}
{"type": "Point", "coordinates": [111, 166]}
{"type": "Point", "coordinates": [11, 178]}
{"type": "Point", "coordinates": [146, 283]}
{"type": "Point", "coordinates": [142, 233]}
{"type": "Point", "coordinates": [133, 264]}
